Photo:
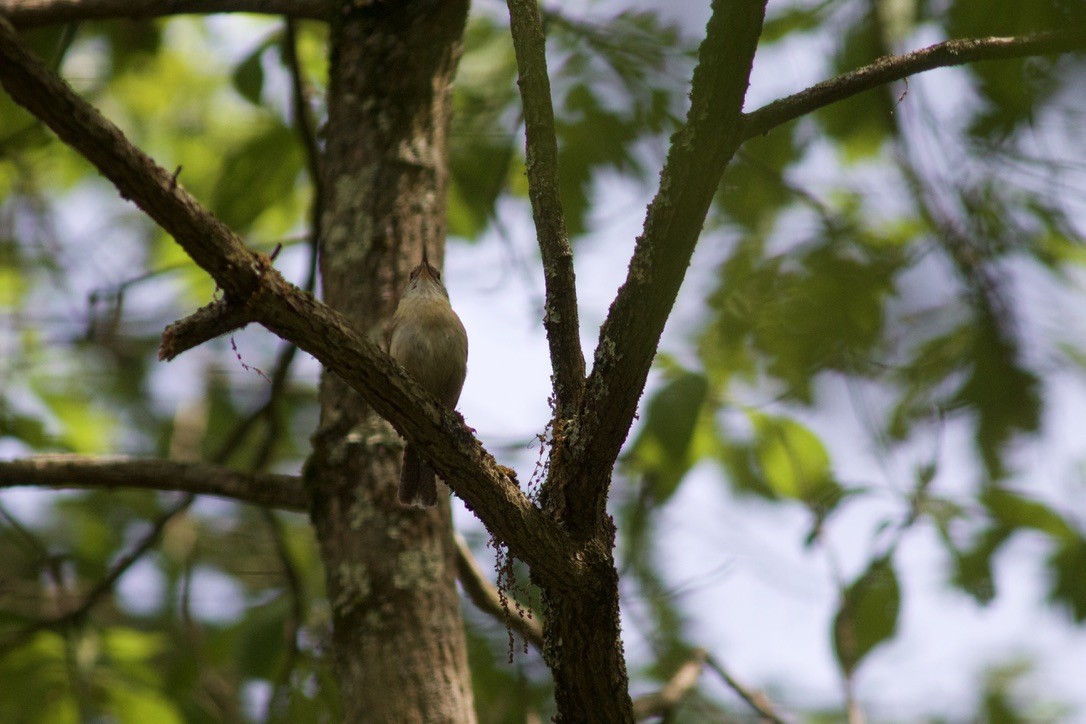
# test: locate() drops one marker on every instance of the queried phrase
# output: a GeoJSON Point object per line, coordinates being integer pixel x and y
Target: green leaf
{"type": "Point", "coordinates": [129, 645]}
{"type": "Point", "coordinates": [1016, 511]}
{"type": "Point", "coordinates": [663, 448]}
{"type": "Point", "coordinates": [752, 189]}
{"type": "Point", "coordinates": [260, 641]}
{"type": "Point", "coordinates": [794, 462]}
{"type": "Point", "coordinates": [973, 568]}
{"type": "Point", "coordinates": [867, 615]}
{"type": "Point", "coordinates": [139, 705]}
{"type": "Point", "coordinates": [1014, 90]}
{"type": "Point", "coordinates": [1005, 395]}
{"type": "Point", "coordinates": [822, 307]}
{"type": "Point", "coordinates": [248, 76]}
{"type": "Point", "coordinates": [256, 175]}
{"type": "Point", "coordinates": [1068, 586]}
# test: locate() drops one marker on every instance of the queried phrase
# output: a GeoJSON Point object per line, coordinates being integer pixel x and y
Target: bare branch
{"type": "Point", "coordinates": [486, 599]}
{"type": "Point", "coordinates": [757, 700]}
{"type": "Point", "coordinates": [541, 149]}
{"type": "Point", "coordinates": [206, 323]}
{"type": "Point", "coordinates": [628, 339]}
{"type": "Point", "coordinates": [665, 700]}
{"type": "Point", "coordinates": [79, 471]}
{"type": "Point", "coordinates": [896, 67]}
{"type": "Point", "coordinates": [35, 13]}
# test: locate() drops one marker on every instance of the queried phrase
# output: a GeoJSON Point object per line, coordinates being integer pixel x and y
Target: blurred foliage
{"type": "Point", "coordinates": [882, 244]}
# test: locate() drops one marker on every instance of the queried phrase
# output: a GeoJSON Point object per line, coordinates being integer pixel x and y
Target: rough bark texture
{"type": "Point", "coordinates": [398, 635]}
{"type": "Point", "coordinates": [582, 641]}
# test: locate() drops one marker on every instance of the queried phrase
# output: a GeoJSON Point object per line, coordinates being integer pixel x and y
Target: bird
{"type": "Point", "coordinates": [428, 339]}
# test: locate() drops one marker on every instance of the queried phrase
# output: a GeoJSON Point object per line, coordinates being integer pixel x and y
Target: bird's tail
{"type": "Point", "coordinates": [418, 487]}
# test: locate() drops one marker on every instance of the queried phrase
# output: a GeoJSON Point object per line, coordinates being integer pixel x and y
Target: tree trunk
{"type": "Point", "coordinates": [398, 636]}
{"type": "Point", "coordinates": [583, 640]}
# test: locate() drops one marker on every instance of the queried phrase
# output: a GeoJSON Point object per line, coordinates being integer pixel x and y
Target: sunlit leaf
{"type": "Point", "coordinates": [794, 462]}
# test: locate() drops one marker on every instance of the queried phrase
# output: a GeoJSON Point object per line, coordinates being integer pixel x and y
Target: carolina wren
{"type": "Point", "coordinates": [428, 339]}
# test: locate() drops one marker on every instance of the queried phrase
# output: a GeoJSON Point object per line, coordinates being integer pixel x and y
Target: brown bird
{"type": "Point", "coordinates": [428, 339]}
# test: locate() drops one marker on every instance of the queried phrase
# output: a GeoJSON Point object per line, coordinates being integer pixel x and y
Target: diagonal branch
{"type": "Point", "coordinates": [663, 702]}
{"type": "Point", "coordinates": [697, 158]}
{"type": "Point", "coordinates": [896, 67]}
{"type": "Point", "coordinates": [486, 598]}
{"type": "Point", "coordinates": [248, 279]}
{"type": "Point", "coordinates": [36, 13]}
{"type": "Point", "coordinates": [541, 150]}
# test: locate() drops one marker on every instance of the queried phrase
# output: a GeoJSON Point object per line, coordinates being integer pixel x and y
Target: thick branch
{"type": "Point", "coordinates": [628, 339]}
{"type": "Point", "coordinates": [541, 149]}
{"type": "Point", "coordinates": [248, 278]}
{"type": "Point", "coordinates": [35, 13]}
{"type": "Point", "coordinates": [896, 67]}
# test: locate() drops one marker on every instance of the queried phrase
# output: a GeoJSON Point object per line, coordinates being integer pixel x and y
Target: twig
{"type": "Point", "coordinates": [280, 686]}
{"type": "Point", "coordinates": [664, 701]}
{"type": "Point", "coordinates": [757, 700]}
{"type": "Point", "coordinates": [486, 597]}
{"type": "Point", "coordinates": [897, 67]}
{"type": "Point", "coordinates": [203, 325]}
{"type": "Point", "coordinates": [304, 122]}
{"type": "Point", "coordinates": [284, 492]}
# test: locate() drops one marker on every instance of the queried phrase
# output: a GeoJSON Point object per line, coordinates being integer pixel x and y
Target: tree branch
{"type": "Point", "coordinates": [248, 279]}
{"type": "Point", "coordinates": [896, 67]}
{"type": "Point", "coordinates": [80, 471]}
{"type": "Point", "coordinates": [205, 324]}
{"type": "Point", "coordinates": [756, 699]}
{"type": "Point", "coordinates": [664, 701]}
{"type": "Point", "coordinates": [629, 337]}
{"type": "Point", "coordinates": [35, 13]}
{"type": "Point", "coordinates": [541, 151]}
{"type": "Point", "coordinates": [485, 596]}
